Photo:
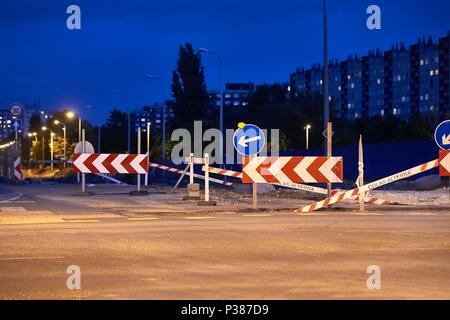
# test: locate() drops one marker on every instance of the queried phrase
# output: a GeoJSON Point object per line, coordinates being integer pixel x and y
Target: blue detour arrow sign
{"type": "Point", "coordinates": [248, 139]}
{"type": "Point", "coordinates": [442, 135]}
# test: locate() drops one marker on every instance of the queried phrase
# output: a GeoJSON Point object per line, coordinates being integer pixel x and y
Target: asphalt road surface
{"type": "Point", "coordinates": [218, 255]}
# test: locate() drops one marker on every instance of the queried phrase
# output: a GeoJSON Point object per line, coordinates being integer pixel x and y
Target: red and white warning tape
{"type": "Point", "coordinates": [162, 167]}
{"type": "Point", "coordinates": [370, 186]}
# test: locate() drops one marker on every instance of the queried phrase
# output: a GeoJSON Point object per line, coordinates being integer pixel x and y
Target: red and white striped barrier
{"type": "Point", "coordinates": [444, 163]}
{"type": "Point", "coordinates": [292, 169]}
{"type": "Point", "coordinates": [370, 186]}
{"type": "Point", "coordinates": [17, 168]}
{"type": "Point", "coordinates": [109, 163]}
{"type": "Point", "coordinates": [174, 170]}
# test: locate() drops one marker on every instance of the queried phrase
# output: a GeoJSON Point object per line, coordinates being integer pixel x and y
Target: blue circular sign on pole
{"type": "Point", "coordinates": [442, 135]}
{"type": "Point", "coordinates": [248, 139]}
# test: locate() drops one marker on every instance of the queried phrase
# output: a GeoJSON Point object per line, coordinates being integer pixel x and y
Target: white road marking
{"type": "Point", "coordinates": [258, 215]}
{"type": "Point", "coordinates": [31, 258]}
{"type": "Point", "coordinates": [18, 195]}
{"type": "Point", "coordinates": [198, 218]}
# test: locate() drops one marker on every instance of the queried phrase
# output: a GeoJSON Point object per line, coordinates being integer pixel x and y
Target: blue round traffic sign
{"type": "Point", "coordinates": [249, 140]}
{"type": "Point", "coordinates": [442, 135]}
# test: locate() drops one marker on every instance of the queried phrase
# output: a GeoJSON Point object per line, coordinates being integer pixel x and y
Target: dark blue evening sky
{"type": "Point", "coordinates": [121, 41]}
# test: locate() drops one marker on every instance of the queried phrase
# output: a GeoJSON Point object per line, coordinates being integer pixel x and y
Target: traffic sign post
{"type": "Point", "coordinates": [249, 140]}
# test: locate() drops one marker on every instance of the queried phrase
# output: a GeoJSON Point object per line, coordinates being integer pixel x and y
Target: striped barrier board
{"type": "Point", "coordinates": [174, 170]}
{"type": "Point", "coordinates": [444, 163]}
{"type": "Point", "coordinates": [370, 186]}
{"type": "Point", "coordinates": [292, 169]}
{"type": "Point", "coordinates": [110, 163]}
{"type": "Point", "coordinates": [17, 168]}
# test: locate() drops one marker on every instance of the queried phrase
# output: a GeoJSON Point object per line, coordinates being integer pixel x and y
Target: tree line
{"type": "Point", "coordinates": [269, 107]}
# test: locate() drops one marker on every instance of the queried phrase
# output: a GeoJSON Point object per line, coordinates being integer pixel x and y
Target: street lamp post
{"type": "Point", "coordinates": [326, 95]}
{"type": "Point", "coordinates": [51, 150]}
{"type": "Point", "coordinates": [163, 147]}
{"type": "Point", "coordinates": [125, 94]}
{"type": "Point", "coordinates": [43, 147]}
{"type": "Point", "coordinates": [221, 97]}
{"type": "Point", "coordinates": [64, 139]}
{"type": "Point", "coordinates": [72, 115]}
{"type": "Point", "coordinates": [149, 124]}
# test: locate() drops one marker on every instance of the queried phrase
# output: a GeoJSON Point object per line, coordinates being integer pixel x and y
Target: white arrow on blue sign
{"type": "Point", "coordinates": [249, 140]}
{"type": "Point", "coordinates": [17, 125]}
{"type": "Point", "coordinates": [442, 135]}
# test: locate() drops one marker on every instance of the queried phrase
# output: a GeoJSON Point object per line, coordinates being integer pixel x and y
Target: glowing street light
{"type": "Point", "coordinates": [308, 126]}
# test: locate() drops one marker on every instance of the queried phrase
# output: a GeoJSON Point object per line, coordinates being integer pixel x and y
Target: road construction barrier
{"type": "Point", "coordinates": [17, 169]}
{"type": "Point", "coordinates": [444, 163]}
{"type": "Point", "coordinates": [370, 186]}
{"type": "Point", "coordinates": [298, 186]}
{"type": "Point", "coordinates": [10, 162]}
{"type": "Point", "coordinates": [175, 170]}
{"type": "Point", "coordinates": [292, 169]}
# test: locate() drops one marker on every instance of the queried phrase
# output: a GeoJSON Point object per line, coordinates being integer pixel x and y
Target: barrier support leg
{"type": "Point", "coordinates": [139, 191]}
{"type": "Point", "coordinates": [83, 191]}
{"type": "Point", "coordinates": [193, 189]}
{"type": "Point", "coordinates": [206, 202]}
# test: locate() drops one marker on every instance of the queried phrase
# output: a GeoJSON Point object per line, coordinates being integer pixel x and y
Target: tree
{"type": "Point", "coordinates": [189, 88]}
{"type": "Point", "coordinates": [115, 132]}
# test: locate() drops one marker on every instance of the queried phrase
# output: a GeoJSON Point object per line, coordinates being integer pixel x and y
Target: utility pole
{"type": "Point", "coordinates": [326, 95]}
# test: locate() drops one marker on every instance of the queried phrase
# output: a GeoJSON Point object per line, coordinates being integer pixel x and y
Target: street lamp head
{"type": "Point", "coordinates": [30, 134]}
{"type": "Point", "coordinates": [308, 126]}
{"type": "Point", "coordinates": [70, 114]}
{"type": "Point", "coordinates": [56, 122]}
{"type": "Point", "coordinates": [44, 128]}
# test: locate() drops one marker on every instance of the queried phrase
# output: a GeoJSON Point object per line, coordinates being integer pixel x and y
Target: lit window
{"type": "Point", "coordinates": [378, 81]}
{"type": "Point", "coordinates": [352, 85]}
{"type": "Point", "coordinates": [349, 77]}
{"type": "Point", "coordinates": [426, 96]}
{"type": "Point", "coordinates": [436, 72]}
{"type": "Point", "coordinates": [421, 62]}
{"type": "Point", "coordinates": [158, 121]}
{"type": "Point", "coordinates": [142, 119]}
{"type": "Point", "coordinates": [320, 82]}
{"type": "Point", "coordinates": [382, 112]}
{"type": "Point", "coordinates": [431, 73]}
{"type": "Point", "coordinates": [339, 88]}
